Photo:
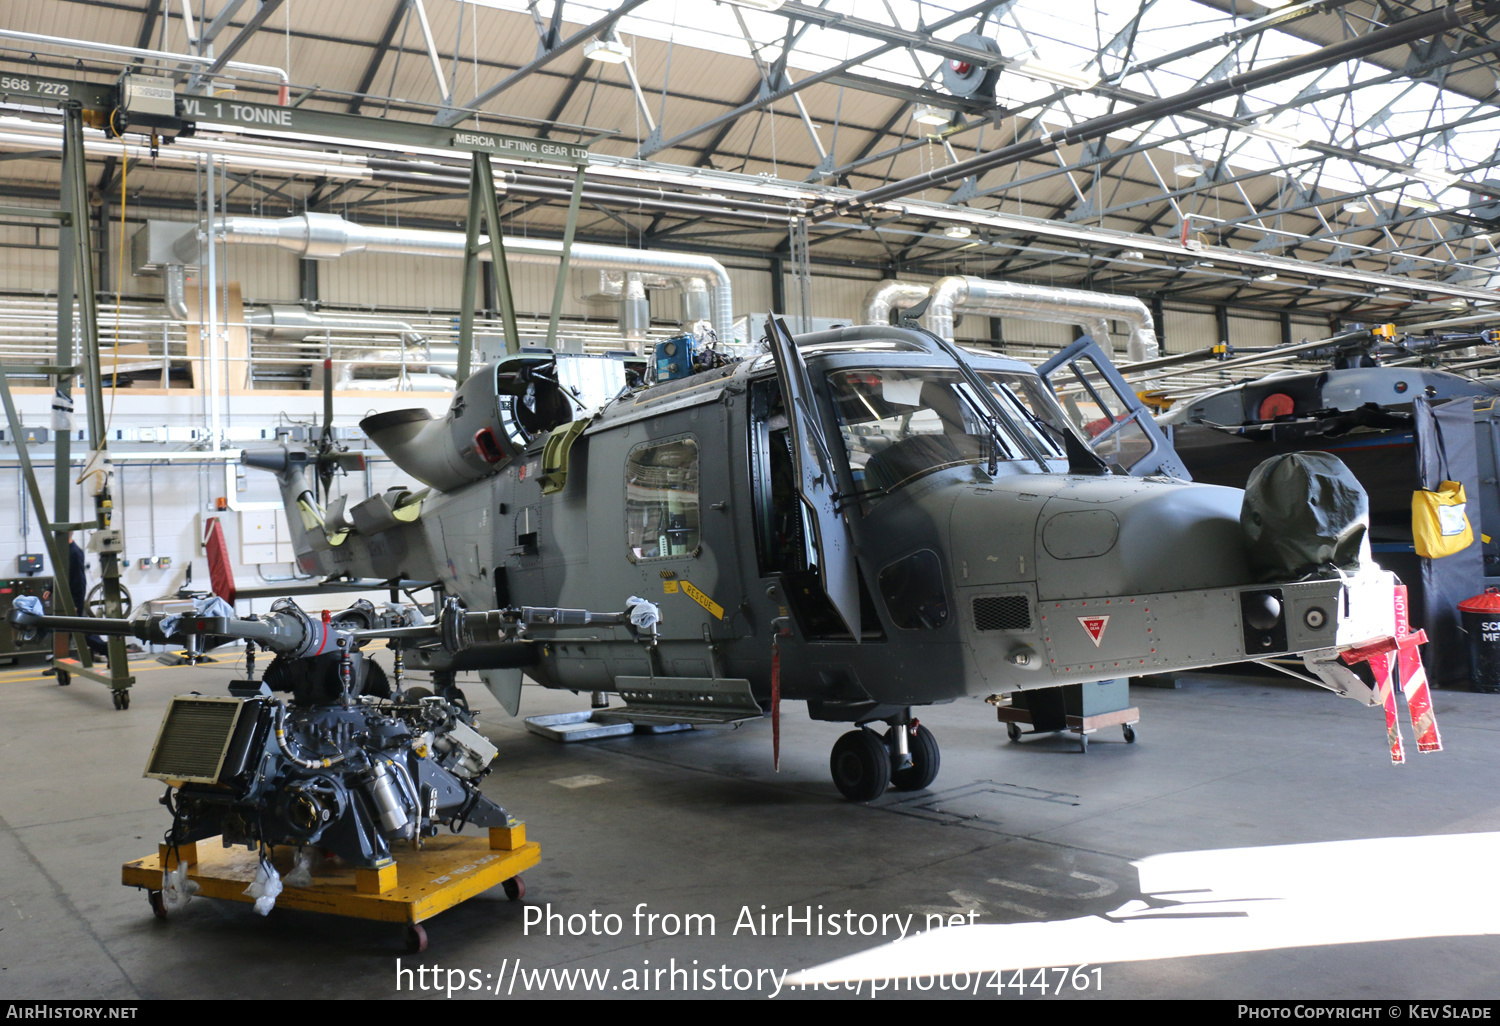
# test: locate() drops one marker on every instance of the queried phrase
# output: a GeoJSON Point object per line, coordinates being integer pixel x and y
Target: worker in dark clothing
{"type": "Point", "coordinates": [78, 587]}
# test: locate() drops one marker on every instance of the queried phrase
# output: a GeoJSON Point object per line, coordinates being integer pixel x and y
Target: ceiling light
{"type": "Point", "coordinates": [1458, 303]}
{"type": "Point", "coordinates": [1073, 78]}
{"type": "Point", "coordinates": [1277, 135]}
{"type": "Point", "coordinates": [1132, 254]}
{"type": "Point", "coordinates": [610, 51]}
{"type": "Point", "coordinates": [759, 5]}
{"type": "Point", "coordinates": [1422, 203]}
{"type": "Point", "coordinates": [958, 231]}
{"type": "Point", "coordinates": [1435, 177]}
{"type": "Point", "coordinates": [1357, 206]}
{"type": "Point", "coordinates": [1189, 170]}
{"type": "Point", "coordinates": [928, 115]}
{"type": "Point", "coordinates": [1268, 276]}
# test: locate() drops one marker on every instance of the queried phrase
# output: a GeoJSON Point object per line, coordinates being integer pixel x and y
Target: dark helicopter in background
{"type": "Point", "coordinates": [867, 519]}
{"type": "Point", "coordinates": [1393, 408]}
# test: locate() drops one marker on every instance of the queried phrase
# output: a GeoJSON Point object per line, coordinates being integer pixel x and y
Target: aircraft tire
{"type": "Point", "coordinates": [861, 765]}
{"type": "Point", "coordinates": [925, 760]}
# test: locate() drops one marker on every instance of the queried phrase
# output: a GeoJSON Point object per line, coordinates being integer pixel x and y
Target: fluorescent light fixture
{"type": "Point", "coordinates": [1357, 206]}
{"type": "Point", "coordinates": [610, 51]}
{"type": "Point", "coordinates": [1192, 169]}
{"type": "Point", "coordinates": [958, 231]}
{"type": "Point", "coordinates": [759, 5]}
{"type": "Point", "coordinates": [1132, 254]}
{"type": "Point", "coordinates": [1437, 178]}
{"type": "Point", "coordinates": [1277, 135]}
{"type": "Point", "coordinates": [1073, 78]}
{"type": "Point", "coordinates": [1268, 276]}
{"type": "Point", "coordinates": [1458, 303]}
{"type": "Point", "coordinates": [928, 115]}
{"type": "Point", "coordinates": [1422, 203]}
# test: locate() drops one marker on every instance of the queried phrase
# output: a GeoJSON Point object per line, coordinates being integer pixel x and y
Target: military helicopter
{"type": "Point", "coordinates": [867, 519]}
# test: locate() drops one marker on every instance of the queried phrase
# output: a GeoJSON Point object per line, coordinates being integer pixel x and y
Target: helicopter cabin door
{"type": "Point", "coordinates": [1111, 416]}
{"type": "Point", "coordinates": [816, 485]}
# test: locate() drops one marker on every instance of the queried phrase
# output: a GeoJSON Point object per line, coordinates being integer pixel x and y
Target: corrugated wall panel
{"type": "Point", "coordinates": [1021, 332]}
{"type": "Point", "coordinates": [1247, 331]}
{"type": "Point", "coordinates": [1187, 331]}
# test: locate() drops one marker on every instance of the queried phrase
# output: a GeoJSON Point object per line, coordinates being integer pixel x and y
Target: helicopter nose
{"type": "Point", "coordinates": [1167, 537]}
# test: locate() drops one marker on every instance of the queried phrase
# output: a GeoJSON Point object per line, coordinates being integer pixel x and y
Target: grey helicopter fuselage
{"type": "Point", "coordinates": [983, 559]}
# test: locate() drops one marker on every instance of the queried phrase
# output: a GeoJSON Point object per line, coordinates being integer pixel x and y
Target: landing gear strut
{"type": "Point", "coordinates": [865, 763]}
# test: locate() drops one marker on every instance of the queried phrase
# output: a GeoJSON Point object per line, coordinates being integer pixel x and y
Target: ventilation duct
{"type": "Point", "coordinates": [635, 309]}
{"type": "Point", "coordinates": [289, 321]}
{"type": "Point", "coordinates": [1092, 311]}
{"type": "Point", "coordinates": [891, 295]}
{"type": "Point", "coordinates": [328, 236]}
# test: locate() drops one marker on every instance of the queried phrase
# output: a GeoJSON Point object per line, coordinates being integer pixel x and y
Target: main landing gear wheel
{"type": "Point", "coordinates": [515, 888]}
{"type": "Point", "coordinates": [925, 759]}
{"type": "Point", "coordinates": [861, 765]}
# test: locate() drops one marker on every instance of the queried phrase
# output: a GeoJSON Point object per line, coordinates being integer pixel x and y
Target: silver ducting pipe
{"type": "Point", "coordinates": [890, 295]}
{"type": "Point", "coordinates": [635, 309]}
{"type": "Point", "coordinates": [326, 236]}
{"type": "Point", "coordinates": [174, 292]}
{"type": "Point", "coordinates": [289, 321]}
{"type": "Point", "coordinates": [697, 304]}
{"type": "Point", "coordinates": [1090, 310]}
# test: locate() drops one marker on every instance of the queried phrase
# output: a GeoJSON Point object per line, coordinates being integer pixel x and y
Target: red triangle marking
{"type": "Point", "coordinates": [1094, 626]}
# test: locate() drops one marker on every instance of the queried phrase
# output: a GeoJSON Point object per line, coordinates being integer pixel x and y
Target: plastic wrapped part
{"type": "Point", "coordinates": [265, 887]}
{"type": "Point", "coordinates": [301, 874]}
{"type": "Point", "coordinates": [27, 604]}
{"type": "Point", "coordinates": [1302, 513]}
{"type": "Point", "coordinates": [176, 889]}
{"type": "Point", "coordinates": [644, 616]}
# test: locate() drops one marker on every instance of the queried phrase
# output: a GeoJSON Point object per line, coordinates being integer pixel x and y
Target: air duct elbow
{"type": "Point", "coordinates": [948, 295]}
{"type": "Point", "coordinates": [889, 296]}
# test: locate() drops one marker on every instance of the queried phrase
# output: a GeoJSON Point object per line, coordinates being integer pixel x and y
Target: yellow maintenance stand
{"type": "Point", "coordinates": [414, 887]}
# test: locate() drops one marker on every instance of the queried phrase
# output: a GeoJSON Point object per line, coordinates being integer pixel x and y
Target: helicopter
{"type": "Point", "coordinates": [866, 519]}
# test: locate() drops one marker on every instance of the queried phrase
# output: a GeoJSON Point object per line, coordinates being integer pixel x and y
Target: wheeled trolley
{"type": "Point", "coordinates": [421, 882]}
{"type": "Point", "coordinates": [1082, 709]}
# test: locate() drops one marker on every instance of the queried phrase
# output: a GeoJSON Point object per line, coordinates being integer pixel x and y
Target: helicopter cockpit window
{"type": "Point", "coordinates": [898, 423]}
{"type": "Point", "coordinates": [661, 499]}
{"type": "Point", "coordinates": [1101, 414]}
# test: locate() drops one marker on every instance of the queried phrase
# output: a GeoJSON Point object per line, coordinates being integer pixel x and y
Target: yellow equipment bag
{"type": "Point", "coordinates": [1439, 523]}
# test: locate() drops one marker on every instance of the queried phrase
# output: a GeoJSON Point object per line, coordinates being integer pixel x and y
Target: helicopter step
{"type": "Point", "coordinates": [590, 725]}
{"type": "Point", "coordinates": [709, 700]}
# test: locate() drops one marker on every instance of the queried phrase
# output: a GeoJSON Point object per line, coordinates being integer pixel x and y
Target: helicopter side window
{"type": "Point", "coordinates": [661, 499]}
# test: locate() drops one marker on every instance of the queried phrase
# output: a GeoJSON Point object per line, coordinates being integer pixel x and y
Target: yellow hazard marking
{"type": "Point", "coordinates": [703, 600]}
{"type": "Point", "coordinates": [669, 587]}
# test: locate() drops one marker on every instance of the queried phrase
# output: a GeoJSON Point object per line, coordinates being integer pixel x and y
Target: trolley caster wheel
{"type": "Point", "coordinates": [416, 938]}
{"type": "Point", "coordinates": [1013, 731]}
{"type": "Point", "coordinates": [515, 888]}
{"type": "Point", "coordinates": [64, 678]}
{"type": "Point", "coordinates": [1129, 733]}
{"type": "Point", "coordinates": [861, 765]}
{"type": "Point", "coordinates": [158, 904]}
{"type": "Point", "coordinates": [121, 699]}
{"type": "Point", "coordinates": [1083, 743]}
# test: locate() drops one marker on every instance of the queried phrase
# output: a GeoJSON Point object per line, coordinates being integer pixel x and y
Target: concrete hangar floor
{"type": "Point", "coordinates": [1255, 843]}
